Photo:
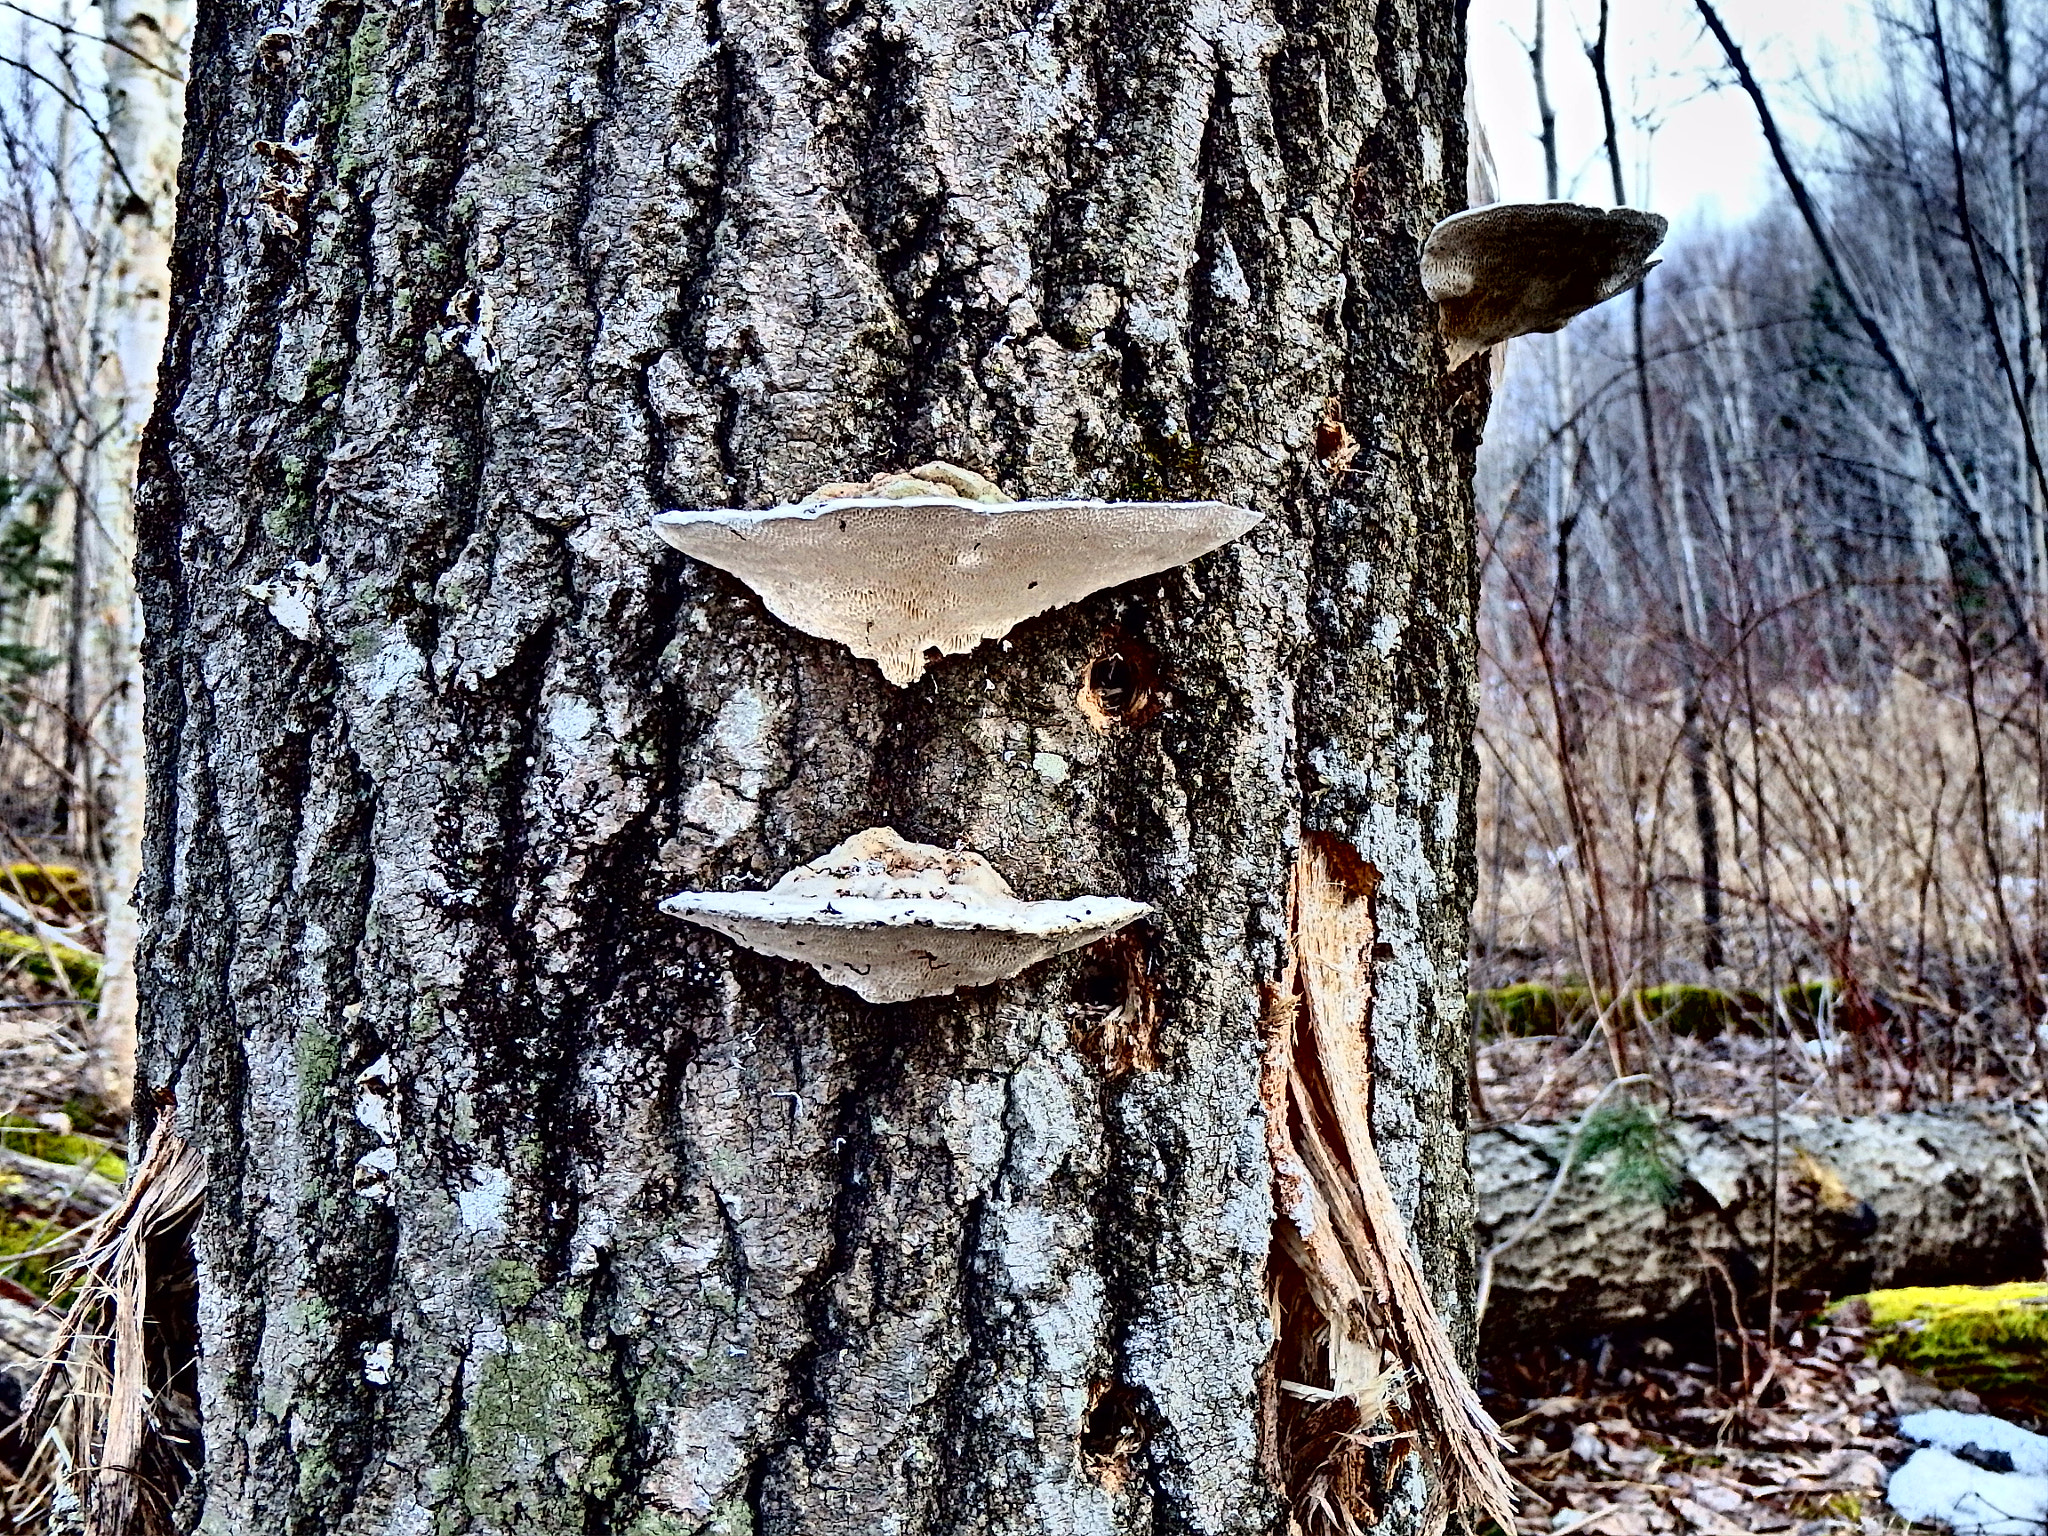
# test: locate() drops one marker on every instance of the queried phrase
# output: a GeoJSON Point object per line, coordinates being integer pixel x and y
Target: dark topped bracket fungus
{"type": "Point", "coordinates": [939, 559]}
{"type": "Point", "coordinates": [1517, 269]}
{"type": "Point", "coordinates": [894, 920]}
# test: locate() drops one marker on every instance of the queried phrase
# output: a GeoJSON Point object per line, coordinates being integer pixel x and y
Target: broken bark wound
{"type": "Point", "coordinates": [1112, 1434]}
{"type": "Point", "coordinates": [1335, 446]}
{"type": "Point", "coordinates": [1118, 1007]}
{"type": "Point", "coordinates": [1371, 1364]}
{"type": "Point", "coordinates": [1121, 685]}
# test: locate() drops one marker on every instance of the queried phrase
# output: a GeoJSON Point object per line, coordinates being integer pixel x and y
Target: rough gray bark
{"type": "Point", "coordinates": [1951, 1196]}
{"type": "Point", "coordinates": [534, 1210]}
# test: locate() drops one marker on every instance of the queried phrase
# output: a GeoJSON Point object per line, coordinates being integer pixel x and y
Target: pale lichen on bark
{"type": "Point", "coordinates": [658, 1236]}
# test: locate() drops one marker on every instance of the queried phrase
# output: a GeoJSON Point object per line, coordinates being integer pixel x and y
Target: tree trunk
{"type": "Point", "coordinates": [534, 1210]}
{"type": "Point", "coordinates": [145, 61]}
{"type": "Point", "coordinates": [1931, 1197]}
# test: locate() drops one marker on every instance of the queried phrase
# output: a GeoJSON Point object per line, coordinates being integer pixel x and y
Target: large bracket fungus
{"type": "Point", "coordinates": [1516, 269]}
{"type": "Point", "coordinates": [939, 559]}
{"type": "Point", "coordinates": [894, 920]}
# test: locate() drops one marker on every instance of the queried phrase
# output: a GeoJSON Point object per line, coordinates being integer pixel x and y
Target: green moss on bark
{"type": "Point", "coordinates": [544, 1430]}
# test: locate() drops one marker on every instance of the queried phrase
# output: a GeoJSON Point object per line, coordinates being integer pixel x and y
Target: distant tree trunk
{"type": "Point", "coordinates": [145, 61]}
{"type": "Point", "coordinates": [534, 1211]}
{"type": "Point", "coordinates": [1663, 514]}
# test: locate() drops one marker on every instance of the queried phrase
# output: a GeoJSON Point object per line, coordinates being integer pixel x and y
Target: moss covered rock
{"type": "Point", "coordinates": [1989, 1339]}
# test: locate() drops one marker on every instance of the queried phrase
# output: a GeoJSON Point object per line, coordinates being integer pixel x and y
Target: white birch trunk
{"type": "Point", "coordinates": [145, 62]}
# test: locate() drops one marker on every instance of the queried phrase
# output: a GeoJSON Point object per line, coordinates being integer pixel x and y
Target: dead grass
{"type": "Point", "coordinates": [117, 1393]}
{"type": "Point", "coordinates": [1862, 842]}
{"type": "Point", "coordinates": [1852, 838]}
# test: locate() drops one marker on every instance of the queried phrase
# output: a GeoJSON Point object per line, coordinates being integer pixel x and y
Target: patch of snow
{"type": "Point", "coordinates": [1947, 1430]}
{"type": "Point", "coordinates": [1935, 1486]}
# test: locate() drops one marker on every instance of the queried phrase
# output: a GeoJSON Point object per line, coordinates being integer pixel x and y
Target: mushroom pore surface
{"type": "Point", "coordinates": [1517, 269]}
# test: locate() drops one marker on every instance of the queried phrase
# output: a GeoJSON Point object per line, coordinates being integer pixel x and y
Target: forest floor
{"type": "Point", "coordinates": [1545, 1078]}
{"type": "Point", "coordinates": [1625, 1439]}
{"type": "Point", "coordinates": [62, 1156]}
{"type": "Point", "coordinates": [1711, 1432]}
{"type": "Point", "coordinates": [1694, 1432]}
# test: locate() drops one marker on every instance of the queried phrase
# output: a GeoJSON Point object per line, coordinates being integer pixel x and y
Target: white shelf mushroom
{"type": "Point", "coordinates": [939, 559]}
{"type": "Point", "coordinates": [1515, 269]}
{"type": "Point", "coordinates": [893, 920]}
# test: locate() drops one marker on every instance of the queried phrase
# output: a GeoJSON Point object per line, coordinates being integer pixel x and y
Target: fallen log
{"type": "Point", "coordinates": [34, 1186]}
{"type": "Point", "coordinates": [1929, 1197]}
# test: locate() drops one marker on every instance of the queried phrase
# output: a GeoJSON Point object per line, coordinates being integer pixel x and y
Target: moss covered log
{"type": "Point", "coordinates": [1988, 1339]}
{"type": "Point", "coordinates": [1531, 1008]}
{"type": "Point", "coordinates": [1885, 1200]}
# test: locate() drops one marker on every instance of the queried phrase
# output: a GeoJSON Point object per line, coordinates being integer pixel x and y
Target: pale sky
{"type": "Point", "coordinates": [1700, 147]}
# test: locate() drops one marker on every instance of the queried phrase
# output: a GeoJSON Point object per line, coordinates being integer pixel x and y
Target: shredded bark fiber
{"type": "Point", "coordinates": [1350, 1305]}
{"type": "Point", "coordinates": [109, 1362]}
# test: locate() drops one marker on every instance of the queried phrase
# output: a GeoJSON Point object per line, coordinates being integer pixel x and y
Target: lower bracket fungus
{"type": "Point", "coordinates": [1516, 269]}
{"type": "Point", "coordinates": [893, 920]}
{"type": "Point", "coordinates": [939, 559]}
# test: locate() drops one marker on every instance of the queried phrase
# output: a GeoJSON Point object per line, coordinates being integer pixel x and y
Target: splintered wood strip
{"type": "Point", "coordinates": [1352, 1243]}
{"type": "Point", "coordinates": [114, 1289]}
{"type": "Point", "coordinates": [172, 1182]}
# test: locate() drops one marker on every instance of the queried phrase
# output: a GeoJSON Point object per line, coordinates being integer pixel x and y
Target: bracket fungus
{"type": "Point", "coordinates": [894, 920]}
{"type": "Point", "coordinates": [1515, 269]}
{"type": "Point", "coordinates": [939, 559]}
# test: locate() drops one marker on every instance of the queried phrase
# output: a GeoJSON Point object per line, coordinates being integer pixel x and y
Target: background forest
{"type": "Point", "coordinates": [1765, 595]}
{"type": "Point", "coordinates": [1766, 580]}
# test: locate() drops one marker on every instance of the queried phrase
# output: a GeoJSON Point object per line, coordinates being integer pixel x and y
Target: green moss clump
{"type": "Point", "coordinates": [513, 1282]}
{"type": "Point", "coordinates": [18, 1133]}
{"type": "Point", "coordinates": [545, 1431]}
{"type": "Point", "coordinates": [1531, 1008]}
{"type": "Point", "coordinates": [1643, 1165]}
{"type": "Point", "coordinates": [1700, 1012]}
{"type": "Point", "coordinates": [57, 887]}
{"type": "Point", "coordinates": [81, 972]}
{"type": "Point", "coordinates": [317, 1055]}
{"type": "Point", "coordinates": [21, 1234]}
{"type": "Point", "coordinates": [1988, 1339]}
{"type": "Point", "coordinates": [24, 1230]}
{"type": "Point", "coordinates": [732, 1518]}
{"type": "Point", "coordinates": [652, 1522]}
